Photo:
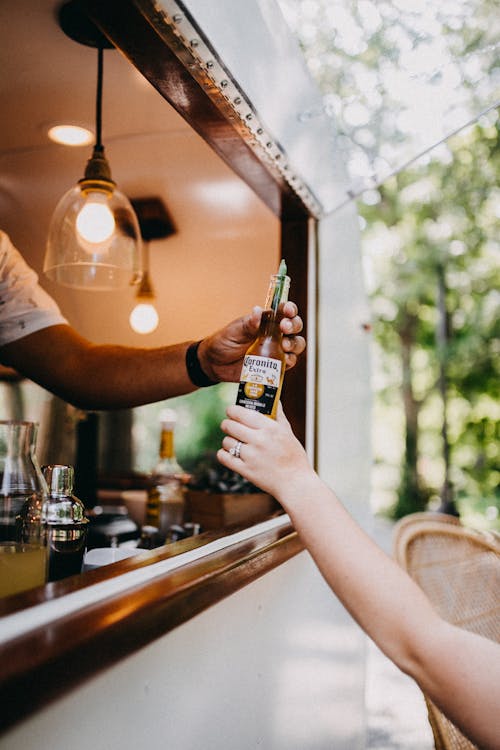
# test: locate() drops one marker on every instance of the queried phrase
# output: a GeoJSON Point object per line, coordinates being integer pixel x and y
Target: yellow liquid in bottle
{"type": "Point", "coordinates": [263, 368]}
{"type": "Point", "coordinates": [22, 567]}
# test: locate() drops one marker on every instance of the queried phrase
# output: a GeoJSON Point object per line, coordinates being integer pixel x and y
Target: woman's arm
{"type": "Point", "coordinates": [450, 665]}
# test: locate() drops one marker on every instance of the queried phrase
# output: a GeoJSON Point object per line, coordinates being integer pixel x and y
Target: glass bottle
{"type": "Point", "coordinates": [263, 368]}
{"type": "Point", "coordinates": [149, 538]}
{"type": "Point", "coordinates": [66, 523]}
{"type": "Point", "coordinates": [165, 505]}
{"type": "Point", "coordinates": [23, 496]}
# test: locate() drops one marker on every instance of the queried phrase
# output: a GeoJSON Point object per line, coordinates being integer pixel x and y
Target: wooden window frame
{"type": "Point", "coordinates": [166, 65]}
{"type": "Point", "coordinates": [35, 670]}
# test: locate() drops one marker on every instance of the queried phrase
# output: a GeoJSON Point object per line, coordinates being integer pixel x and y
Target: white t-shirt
{"type": "Point", "coordinates": [24, 306]}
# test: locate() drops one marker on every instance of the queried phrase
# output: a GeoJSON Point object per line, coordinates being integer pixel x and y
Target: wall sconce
{"type": "Point", "coordinates": [155, 223]}
{"type": "Point", "coordinates": [94, 238]}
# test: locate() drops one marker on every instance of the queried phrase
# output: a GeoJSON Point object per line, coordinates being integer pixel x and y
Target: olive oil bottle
{"type": "Point", "coordinates": [264, 363]}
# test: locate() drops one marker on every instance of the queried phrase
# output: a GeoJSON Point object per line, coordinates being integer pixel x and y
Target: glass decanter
{"type": "Point", "coordinates": [23, 496]}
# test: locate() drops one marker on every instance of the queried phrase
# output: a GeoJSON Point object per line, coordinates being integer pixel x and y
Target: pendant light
{"type": "Point", "coordinates": [155, 223]}
{"type": "Point", "coordinates": [94, 238]}
{"type": "Point", "coordinates": [144, 316]}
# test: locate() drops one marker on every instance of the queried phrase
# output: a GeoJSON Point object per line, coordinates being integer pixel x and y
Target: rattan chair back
{"type": "Point", "coordinates": [459, 570]}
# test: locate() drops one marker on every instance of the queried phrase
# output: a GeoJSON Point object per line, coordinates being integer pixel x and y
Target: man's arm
{"type": "Point", "coordinates": [93, 376]}
{"type": "Point", "coordinates": [106, 376]}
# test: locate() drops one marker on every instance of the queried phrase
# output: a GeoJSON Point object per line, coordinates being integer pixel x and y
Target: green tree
{"type": "Point", "coordinates": [397, 76]}
{"type": "Point", "coordinates": [436, 310]}
{"type": "Point", "coordinates": [432, 230]}
{"type": "Point", "coordinates": [197, 431]}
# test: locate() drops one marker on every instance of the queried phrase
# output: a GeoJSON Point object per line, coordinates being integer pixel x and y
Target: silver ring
{"type": "Point", "coordinates": [236, 449]}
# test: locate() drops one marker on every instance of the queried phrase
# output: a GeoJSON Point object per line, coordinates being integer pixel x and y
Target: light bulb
{"type": "Point", "coordinates": [144, 318]}
{"type": "Point", "coordinates": [95, 222]}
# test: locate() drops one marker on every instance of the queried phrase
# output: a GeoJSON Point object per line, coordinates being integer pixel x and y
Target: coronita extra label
{"type": "Point", "coordinates": [259, 383]}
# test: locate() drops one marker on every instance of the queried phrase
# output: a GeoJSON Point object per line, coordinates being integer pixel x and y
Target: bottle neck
{"type": "Point", "coordinates": [270, 324]}
{"type": "Point", "coordinates": [167, 449]}
{"type": "Point", "coordinates": [277, 296]}
{"type": "Point", "coordinates": [167, 465]}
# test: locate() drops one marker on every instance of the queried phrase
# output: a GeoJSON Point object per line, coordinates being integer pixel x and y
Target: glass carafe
{"type": "Point", "coordinates": [23, 496]}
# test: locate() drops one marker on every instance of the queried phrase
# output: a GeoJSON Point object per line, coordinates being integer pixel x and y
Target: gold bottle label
{"type": "Point", "coordinates": [259, 383]}
{"type": "Point", "coordinates": [153, 507]}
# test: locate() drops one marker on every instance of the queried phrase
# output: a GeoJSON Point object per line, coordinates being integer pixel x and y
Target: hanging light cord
{"type": "Point", "coordinates": [97, 166]}
{"type": "Point", "coordinates": [98, 105]}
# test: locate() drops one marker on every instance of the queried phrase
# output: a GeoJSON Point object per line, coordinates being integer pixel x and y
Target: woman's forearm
{"type": "Point", "coordinates": [380, 596]}
{"type": "Point", "coordinates": [458, 670]}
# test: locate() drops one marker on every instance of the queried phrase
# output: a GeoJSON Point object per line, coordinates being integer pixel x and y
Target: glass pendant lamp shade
{"type": "Point", "coordinates": [94, 239]}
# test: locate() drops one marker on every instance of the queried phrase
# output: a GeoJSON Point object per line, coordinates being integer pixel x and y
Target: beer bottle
{"type": "Point", "coordinates": [264, 363]}
{"type": "Point", "coordinates": [165, 504]}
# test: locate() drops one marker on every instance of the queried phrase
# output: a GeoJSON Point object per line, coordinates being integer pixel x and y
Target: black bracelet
{"type": "Point", "coordinates": [193, 367]}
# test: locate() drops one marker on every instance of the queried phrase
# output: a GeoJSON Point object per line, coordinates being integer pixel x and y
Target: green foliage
{"type": "Point", "coordinates": [478, 459]}
{"type": "Point", "coordinates": [379, 63]}
{"type": "Point", "coordinates": [197, 431]}
{"type": "Point", "coordinates": [410, 496]}
{"type": "Point", "coordinates": [444, 214]}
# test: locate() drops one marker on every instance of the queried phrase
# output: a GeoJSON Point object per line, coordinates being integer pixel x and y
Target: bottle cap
{"type": "Point", "coordinates": [62, 507]}
{"type": "Point", "coordinates": [59, 478]}
{"type": "Point", "coordinates": [168, 418]}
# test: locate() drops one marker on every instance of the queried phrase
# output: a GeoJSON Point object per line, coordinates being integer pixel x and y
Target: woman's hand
{"type": "Point", "coordinates": [270, 455]}
{"type": "Point", "coordinates": [221, 354]}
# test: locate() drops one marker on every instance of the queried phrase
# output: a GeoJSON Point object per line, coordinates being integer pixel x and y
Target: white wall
{"type": "Point", "coordinates": [343, 451]}
{"type": "Point", "coordinates": [343, 394]}
{"type": "Point", "coordinates": [269, 667]}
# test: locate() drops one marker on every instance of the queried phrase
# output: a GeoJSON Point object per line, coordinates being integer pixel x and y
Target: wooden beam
{"type": "Point", "coordinates": [294, 248]}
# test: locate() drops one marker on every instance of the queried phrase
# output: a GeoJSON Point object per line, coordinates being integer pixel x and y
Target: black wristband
{"type": "Point", "coordinates": [193, 367]}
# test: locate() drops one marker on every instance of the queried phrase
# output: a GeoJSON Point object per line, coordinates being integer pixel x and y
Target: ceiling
{"type": "Point", "coordinates": [48, 78]}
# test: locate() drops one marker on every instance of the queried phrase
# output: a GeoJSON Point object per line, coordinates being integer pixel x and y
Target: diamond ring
{"type": "Point", "coordinates": [236, 449]}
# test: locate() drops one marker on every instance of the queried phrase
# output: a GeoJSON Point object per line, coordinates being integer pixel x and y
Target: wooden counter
{"type": "Point", "coordinates": [57, 636]}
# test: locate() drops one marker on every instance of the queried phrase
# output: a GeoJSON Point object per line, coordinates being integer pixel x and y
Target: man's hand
{"type": "Point", "coordinates": [221, 354]}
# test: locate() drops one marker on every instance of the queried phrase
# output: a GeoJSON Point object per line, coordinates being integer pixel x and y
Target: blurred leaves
{"type": "Point", "coordinates": [443, 214]}
{"type": "Point", "coordinates": [197, 430]}
{"type": "Point", "coordinates": [397, 76]}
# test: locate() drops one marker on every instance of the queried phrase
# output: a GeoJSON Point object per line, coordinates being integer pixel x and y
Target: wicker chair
{"type": "Point", "coordinates": [459, 570]}
{"type": "Point", "coordinates": [417, 518]}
